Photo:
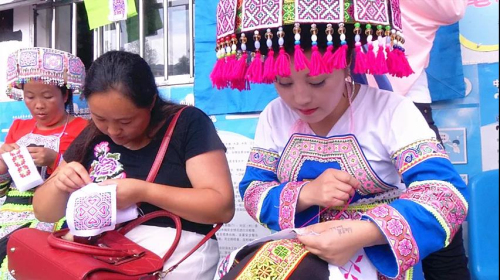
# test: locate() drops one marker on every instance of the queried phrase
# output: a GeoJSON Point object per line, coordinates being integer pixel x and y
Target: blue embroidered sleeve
{"type": "Point", "coordinates": [267, 201]}
{"type": "Point", "coordinates": [427, 215]}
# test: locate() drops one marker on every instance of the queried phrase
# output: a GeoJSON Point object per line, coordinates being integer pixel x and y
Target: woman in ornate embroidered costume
{"type": "Point", "coordinates": [120, 146]}
{"type": "Point", "coordinates": [357, 167]}
{"type": "Point", "coordinates": [46, 80]}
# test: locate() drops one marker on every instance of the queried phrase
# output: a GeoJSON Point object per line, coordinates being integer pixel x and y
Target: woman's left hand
{"type": "Point", "coordinates": [336, 242]}
{"type": "Point", "coordinates": [42, 156]}
{"type": "Point", "coordinates": [128, 191]}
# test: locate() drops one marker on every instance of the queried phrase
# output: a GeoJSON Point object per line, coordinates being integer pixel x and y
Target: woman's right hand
{"type": "Point", "coordinates": [71, 177]}
{"type": "Point", "coordinates": [332, 188]}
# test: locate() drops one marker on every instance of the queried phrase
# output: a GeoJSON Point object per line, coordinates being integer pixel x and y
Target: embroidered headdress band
{"type": "Point", "coordinates": [42, 64]}
{"type": "Point", "coordinates": [376, 23]}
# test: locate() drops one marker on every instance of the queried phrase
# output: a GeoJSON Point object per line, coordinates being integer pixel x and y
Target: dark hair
{"type": "Point", "coordinates": [130, 75]}
{"type": "Point", "coordinates": [68, 105]}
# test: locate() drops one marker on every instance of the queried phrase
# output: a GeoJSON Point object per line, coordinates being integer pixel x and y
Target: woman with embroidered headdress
{"type": "Point", "coordinates": [357, 169]}
{"type": "Point", "coordinates": [45, 79]}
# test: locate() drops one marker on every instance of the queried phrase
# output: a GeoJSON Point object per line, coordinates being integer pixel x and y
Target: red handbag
{"type": "Point", "coordinates": [35, 254]}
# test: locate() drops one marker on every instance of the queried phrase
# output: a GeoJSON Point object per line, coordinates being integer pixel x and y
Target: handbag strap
{"type": "Point", "coordinates": [163, 147]}
{"type": "Point", "coordinates": [207, 237]}
{"type": "Point", "coordinates": [151, 176]}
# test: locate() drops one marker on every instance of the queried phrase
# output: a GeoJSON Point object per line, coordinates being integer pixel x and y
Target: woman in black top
{"type": "Point", "coordinates": [119, 147]}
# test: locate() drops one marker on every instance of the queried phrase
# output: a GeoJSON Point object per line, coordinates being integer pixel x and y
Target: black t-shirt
{"type": "Point", "coordinates": [193, 135]}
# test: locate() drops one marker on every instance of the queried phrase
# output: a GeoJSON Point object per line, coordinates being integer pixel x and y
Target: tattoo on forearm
{"type": "Point", "coordinates": [342, 230]}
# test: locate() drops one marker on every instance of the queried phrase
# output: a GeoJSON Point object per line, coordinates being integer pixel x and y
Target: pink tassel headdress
{"type": "Point", "coordinates": [378, 49]}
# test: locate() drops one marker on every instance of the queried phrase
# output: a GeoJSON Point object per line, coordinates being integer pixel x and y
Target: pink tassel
{"type": "Point", "coordinates": [390, 61]}
{"type": "Point", "coordinates": [360, 66]}
{"type": "Point", "coordinates": [317, 66]}
{"type": "Point", "coordinates": [380, 62]}
{"type": "Point", "coordinates": [216, 75]}
{"type": "Point", "coordinates": [269, 73]}
{"type": "Point", "coordinates": [339, 58]}
{"type": "Point", "coordinates": [403, 68]}
{"type": "Point", "coordinates": [371, 62]}
{"type": "Point", "coordinates": [282, 64]}
{"type": "Point", "coordinates": [240, 69]}
{"type": "Point", "coordinates": [327, 58]}
{"type": "Point", "coordinates": [229, 68]}
{"type": "Point", "coordinates": [255, 70]}
{"type": "Point", "coordinates": [300, 59]}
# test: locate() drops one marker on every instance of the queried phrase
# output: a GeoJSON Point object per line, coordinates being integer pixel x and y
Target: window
{"type": "Point", "coordinates": [169, 54]}
{"type": "Point", "coordinates": [64, 25]}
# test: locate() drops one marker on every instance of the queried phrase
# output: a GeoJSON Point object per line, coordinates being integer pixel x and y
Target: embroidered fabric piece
{"type": "Point", "coordinates": [288, 11]}
{"type": "Point", "coordinates": [259, 14]}
{"type": "Point", "coordinates": [288, 204]}
{"type": "Point", "coordinates": [91, 210]}
{"type": "Point", "coordinates": [417, 152]}
{"type": "Point", "coordinates": [443, 200]}
{"type": "Point", "coordinates": [117, 10]}
{"type": "Point", "coordinates": [22, 169]}
{"type": "Point", "coordinates": [398, 234]}
{"type": "Point", "coordinates": [344, 150]}
{"type": "Point", "coordinates": [407, 275]}
{"type": "Point", "coordinates": [254, 197]}
{"type": "Point", "coordinates": [107, 166]}
{"type": "Point", "coordinates": [226, 17]}
{"type": "Point", "coordinates": [275, 260]}
{"type": "Point", "coordinates": [353, 212]}
{"type": "Point", "coordinates": [48, 65]}
{"type": "Point", "coordinates": [319, 11]}
{"type": "Point", "coordinates": [396, 15]}
{"type": "Point", "coordinates": [47, 141]}
{"type": "Point", "coordinates": [263, 159]}
{"type": "Point", "coordinates": [371, 11]}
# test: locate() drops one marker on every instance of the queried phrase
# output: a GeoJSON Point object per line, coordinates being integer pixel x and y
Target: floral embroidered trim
{"type": "Point", "coordinates": [107, 166]}
{"type": "Point", "coordinates": [254, 197]}
{"type": "Point", "coordinates": [398, 233]}
{"type": "Point", "coordinates": [407, 275]}
{"type": "Point", "coordinates": [344, 150]}
{"type": "Point", "coordinates": [288, 204]}
{"type": "Point", "coordinates": [18, 159]}
{"type": "Point", "coordinates": [275, 260]}
{"type": "Point", "coordinates": [353, 212]}
{"type": "Point", "coordinates": [443, 200]}
{"type": "Point", "coordinates": [263, 159]}
{"type": "Point", "coordinates": [415, 153]}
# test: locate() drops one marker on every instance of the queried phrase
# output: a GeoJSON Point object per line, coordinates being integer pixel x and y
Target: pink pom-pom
{"type": "Point", "coordinates": [269, 73]}
{"type": "Point", "coordinates": [339, 58]}
{"type": "Point", "coordinates": [255, 70]}
{"type": "Point", "coordinates": [390, 61]}
{"type": "Point", "coordinates": [327, 59]}
{"type": "Point", "coordinates": [401, 64]}
{"type": "Point", "coordinates": [300, 60]}
{"type": "Point", "coordinates": [216, 75]}
{"type": "Point", "coordinates": [240, 68]}
{"type": "Point", "coordinates": [317, 66]}
{"type": "Point", "coordinates": [229, 67]}
{"type": "Point", "coordinates": [360, 66]}
{"type": "Point", "coordinates": [371, 61]}
{"type": "Point", "coordinates": [380, 62]}
{"type": "Point", "coordinates": [282, 64]}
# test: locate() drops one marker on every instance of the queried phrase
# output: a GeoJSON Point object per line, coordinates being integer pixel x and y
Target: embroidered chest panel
{"type": "Point", "coordinates": [305, 157]}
